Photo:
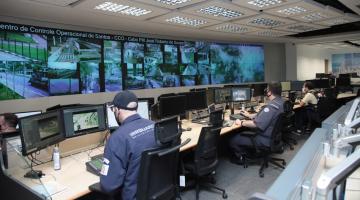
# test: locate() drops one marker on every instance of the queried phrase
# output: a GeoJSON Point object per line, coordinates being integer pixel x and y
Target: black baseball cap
{"type": "Point", "coordinates": [123, 99]}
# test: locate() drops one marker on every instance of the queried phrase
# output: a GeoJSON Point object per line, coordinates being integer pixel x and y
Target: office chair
{"type": "Point", "coordinates": [205, 159]}
{"type": "Point", "coordinates": [313, 118]}
{"type": "Point", "coordinates": [276, 146]}
{"type": "Point", "coordinates": [288, 125]}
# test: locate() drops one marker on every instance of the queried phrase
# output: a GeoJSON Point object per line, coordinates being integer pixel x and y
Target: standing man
{"type": "Point", "coordinates": [264, 123]}
{"type": "Point", "coordinates": [123, 150]}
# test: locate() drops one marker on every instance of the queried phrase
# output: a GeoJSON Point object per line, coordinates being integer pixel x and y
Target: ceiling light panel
{"type": "Point", "coordinates": [262, 4]}
{"type": "Point", "coordinates": [269, 33]}
{"type": "Point", "coordinates": [170, 4]}
{"type": "Point", "coordinates": [232, 28]}
{"type": "Point", "coordinates": [294, 9]}
{"type": "Point", "coordinates": [319, 15]}
{"type": "Point", "coordinates": [219, 10]}
{"type": "Point", "coordinates": [300, 27]}
{"type": "Point", "coordinates": [344, 19]}
{"type": "Point", "coordinates": [265, 21]}
{"type": "Point", "coordinates": [182, 19]}
{"type": "Point", "coordinates": [123, 8]}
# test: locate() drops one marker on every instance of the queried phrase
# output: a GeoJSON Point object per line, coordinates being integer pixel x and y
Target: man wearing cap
{"type": "Point", "coordinates": [123, 150]}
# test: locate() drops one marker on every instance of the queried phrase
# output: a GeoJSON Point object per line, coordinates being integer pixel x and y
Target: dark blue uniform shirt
{"type": "Point", "coordinates": [265, 120]}
{"type": "Point", "coordinates": [122, 155]}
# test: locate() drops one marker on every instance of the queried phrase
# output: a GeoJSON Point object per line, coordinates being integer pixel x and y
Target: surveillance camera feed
{"type": "Point", "coordinates": [85, 120]}
{"type": "Point", "coordinates": [48, 127]}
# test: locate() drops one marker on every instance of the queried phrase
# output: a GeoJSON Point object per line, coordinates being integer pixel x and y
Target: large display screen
{"type": "Point", "coordinates": [62, 62]}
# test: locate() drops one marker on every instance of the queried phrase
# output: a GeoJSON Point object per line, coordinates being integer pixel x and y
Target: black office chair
{"type": "Point", "coordinates": [205, 159]}
{"type": "Point", "coordinates": [313, 118]}
{"type": "Point", "coordinates": [288, 125]}
{"type": "Point", "coordinates": [276, 146]}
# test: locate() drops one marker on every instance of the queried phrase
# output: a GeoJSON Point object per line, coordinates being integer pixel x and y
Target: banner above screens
{"type": "Point", "coordinates": [39, 62]}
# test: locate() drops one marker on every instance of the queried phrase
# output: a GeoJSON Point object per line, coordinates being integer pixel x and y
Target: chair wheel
{"type": "Point", "coordinates": [284, 163]}
{"type": "Point", "coordinates": [224, 196]}
{"type": "Point", "coordinates": [245, 166]}
{"type": "Point", "coordinates": [261, 175]}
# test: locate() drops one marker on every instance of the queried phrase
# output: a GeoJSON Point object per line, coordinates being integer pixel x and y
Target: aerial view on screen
{"type": "Point", "coordinates": [112, 62]}
{"type": "Point", "coordinates": [48, 127]}
{"type": "Point", "coordinates": [86, 120]}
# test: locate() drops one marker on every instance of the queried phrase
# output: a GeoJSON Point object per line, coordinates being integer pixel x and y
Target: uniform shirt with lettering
{"type": "Point", "coordinates": [310, 98]}
{"type": "Point", "coordinates": [122, 155]}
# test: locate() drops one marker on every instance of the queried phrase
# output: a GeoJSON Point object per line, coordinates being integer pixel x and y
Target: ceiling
{"type": "Point", "coordinates": [297, 21]}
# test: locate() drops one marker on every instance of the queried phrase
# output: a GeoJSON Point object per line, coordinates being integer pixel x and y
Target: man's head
{"type": "Point", "coordinates": [8, 122]}
{"type": "Point", "coordinates": [125, 104]}
{"type": "Point", "coordinates": [273, 90]}
{"type": "Point", "coordinates": [307, 86]}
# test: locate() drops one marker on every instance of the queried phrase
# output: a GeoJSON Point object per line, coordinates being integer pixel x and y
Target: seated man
{"type": "Point", "coordinates": [263, 122]}
{"type": "Point", "coordinates": [309, 102]}
{"type": "Point", "coordinates": [123, 149]}
{"type": "Point", "coordinates": [8, 122]}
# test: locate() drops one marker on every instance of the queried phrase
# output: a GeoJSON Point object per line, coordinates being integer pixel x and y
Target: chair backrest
{"type": "Point", "coordinates": [276, 134]}
{"type": "Point", "coordinates": [288, 106]}
{"type": "Point", "coordinates": [206, 153]}
{"type": "Point", "coordinates": [157, 176]}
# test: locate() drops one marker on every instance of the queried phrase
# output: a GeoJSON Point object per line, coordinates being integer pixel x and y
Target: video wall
{"type": "Point", "coordinates": [345, 63]}
{"type": "Point", "coordinates": [39, 62]}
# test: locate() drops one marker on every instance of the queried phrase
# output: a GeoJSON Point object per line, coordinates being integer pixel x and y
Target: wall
{"type": "Point", "coordinates": [275, 69]}
{"type": "Point", "coordinates": [310, 60]}
{"type": "Point", "coordinates": [291, 61]}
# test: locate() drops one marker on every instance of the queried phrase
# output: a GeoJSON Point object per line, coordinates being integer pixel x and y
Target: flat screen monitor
{"type": "Point", "coordinates": [142, 110]}
{"type": "Point", "coordinates": [196, 100]}
{"type": "Point", "coordinates": [240, 94]}
{"type": "Point", "coordinates": [343, 82]}
{"type": "Point", "coordinates": [286, 86]}
{"type": "Point", "coordinates": [259, 89]}
{"type": "Point", "coordinates": [172, 105]}
{"type": "Point", "coordinates": [296, 85]}
{"type": "Point", "coordinates": [167, 130]}
{"type": "Point", "coordinates": [210, 96]}
{"type": "Point", "coordinates": [355, 81]}
{"type": "Point", "coordinates": [344, 75]}
{"type": "Point", "coordinates": [25, 114]}
{"type": "Point", "coordinates": [320, 83]}
{"type": "Point", "coordinates": [84, 119]}
{"type": "Point", "coordinates": [222, 95]}
{"type": "Point", "coordinates": [150, 100]}
{"type": "Point", "coordinates": [322, 75]}
{"type": "Point", "coordinates": [39, 131]}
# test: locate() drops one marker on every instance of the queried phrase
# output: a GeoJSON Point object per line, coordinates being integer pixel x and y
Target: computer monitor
{"type": "Point", "coordinates": [259, 89]}
{"type": "Point", "coordinates": [210, 96]}
{"type": "Point", "coordinates": [84, 119]}
{"type": "Point", "coordinates": [39, 131]}
{"type": "Point", "coordinates": [240, 94]}
{"type": "Point", "coordinates": [142, 110]}
{"type": "Point", "coordinates": [25, 114]}
{"type": "Point", "coordinates": [172, 105]}
{"type": "Point", "coordinates": [196, 100]}
{"type": "Point", "coordinates": [322, 75]}
{"type": "Point", "coordinates": [286, 86]}
{"type": "Point", "coordinates": [296, 85]}
{"type": "Point", "coordinates": [355, 81]}
{"type": "Point", "coordinates": [320, 83]}
{"type": "Point", "coordinates": [222, 95]}
{"type": "Point", "coordinates": [167, 130]}
{"type": "Point", "coordinates": [343, 82]}
{"type": "Point", "coordinates": [344, 75]}
{"type": "Point", "coordinates": [150, 100]}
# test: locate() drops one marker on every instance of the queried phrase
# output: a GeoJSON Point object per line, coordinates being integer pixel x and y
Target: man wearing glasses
{"type": "Point", "coordinates": [263, 121]}
{"type": "Point", "coordinates": [123, 149]}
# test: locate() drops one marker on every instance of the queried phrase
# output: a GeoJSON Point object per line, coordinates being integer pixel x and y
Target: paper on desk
{"type": "Point", "coordinates": [49, 188]}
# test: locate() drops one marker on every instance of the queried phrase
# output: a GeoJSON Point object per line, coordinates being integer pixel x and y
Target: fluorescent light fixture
{"type": "Point", "coordinates": [266, 22]}
{"type": "Point", "coordinates": [264, 3]}
{"type": "Point", "coordinates": [320, 14]}
{"type": "Point", "coordinates": [186, 21]}
{"type": "Point", "coordinates": [269, 33]}
{"type": "Point", "coordinates": [232, 28]}
{"type": "Point", "coordinates": [315, 16]}
{"type": "Point", "coordinates": [347, 18]}
{"type": "Point", "coordinates": [172, 2]}
{"type": "Point", "coordinates": [300, 27]}
{"type": "Point", "coordinates": [220, 11]}
{"type": "Point", "coordinates": [292, 10]}
{"type": "Point", "coordinates": [122, 9]}
{"type": "Point", "coordinates": [299, 8]}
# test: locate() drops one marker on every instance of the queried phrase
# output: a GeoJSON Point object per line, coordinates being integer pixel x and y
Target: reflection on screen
{"type": "Point", "coordinates": [48, 127]}
{"type": "Point", "coordinates": [87, 120]}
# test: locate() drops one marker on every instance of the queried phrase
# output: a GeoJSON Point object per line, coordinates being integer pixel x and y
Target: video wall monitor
{"type": "Point", "coordinates": [172, 105]}
{"type": "Point", "coordinates": [222, 95]}
{"type": "Point", "coordinates": [297, 85]}
{"type": "Point", "coordinates": [196, 100]}
{"type": "Point", "coordinates": [343, 82]}
{"type": "Point", "coordinates": [259, 89]}
{"type": "Point", "coordinates": [25, 114]}
{"type": "Point", "coordinates": [286, 86]}
{"type": "Point", "coordinates": [41, 130]}
{"type": "Point", "coordinates": [84, 119]}
{"type": "Point", "coordinates": [240, 94]}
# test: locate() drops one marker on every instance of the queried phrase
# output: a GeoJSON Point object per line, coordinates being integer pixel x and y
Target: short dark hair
{"type": "Point", "coordinates": [275, 88]}
{"type": "Point", "coordinates": [11, 119]}
{"type": "Point", "coordinates": [309, 85]}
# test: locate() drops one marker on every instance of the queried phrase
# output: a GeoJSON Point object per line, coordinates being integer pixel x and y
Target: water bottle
{"type": "Point", "coordinates": [56, 158]}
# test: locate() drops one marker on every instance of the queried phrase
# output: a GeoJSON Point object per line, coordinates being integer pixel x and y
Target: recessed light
{"type": "Point", "coordinates": [232, 28]}
{"type": "Point", "coordinates": [172, 2]}
{"type": "Point", "coordinates": [292, 10]}
{"type": "Point", "coordinates": [220, 11]}
{"type": "Point", "coordinates": [186, 21]}
{"type": "Point", "coordinates": [122, 9]}
{"type": "Point", "coordinates": [266, 22]}
{"type": "Point", "coordinates": [264, 3]}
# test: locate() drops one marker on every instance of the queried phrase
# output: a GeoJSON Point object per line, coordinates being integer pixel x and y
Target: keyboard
{"type": "Point", "coordinates": [238, 116]}
{"type": "Point", "coordinates": [95, 164]}
{"type": "Point", "coordinates": [228, 123]}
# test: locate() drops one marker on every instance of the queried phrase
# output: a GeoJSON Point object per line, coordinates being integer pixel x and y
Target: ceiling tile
{"type": "Point", "coordinates": [319, 15]}
{"type": "Point", "coordinates": [232, 28]}
{"type": "Point", "coordinates": [300, 27]}
{"type": "Point", "coordinates": [265, 21]}
{"type": "Point", "coordinates": [55, 2]}
{"type": "Point", "coordinates": [344, 19]}
{"type": "Point", "coordinates": [262, 4]}
{"type": "Point", "coordinates": [122, 8]}
{"type": "Point", "coordinates": [219, 10]}
{"type": "Point", "coordinates": [182, 19]}
{"type": "Point", "coordinates": [269, 33]}
{"type": "Point", "coordinates": [171, 4]}
{"type": "Point", "coordinates": [294, 9]}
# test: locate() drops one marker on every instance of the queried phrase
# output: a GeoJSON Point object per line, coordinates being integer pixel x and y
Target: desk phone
{"type": "Point", "coordinates": [95, 164]}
